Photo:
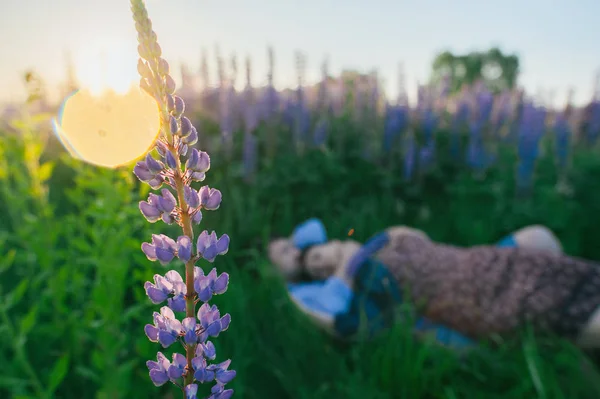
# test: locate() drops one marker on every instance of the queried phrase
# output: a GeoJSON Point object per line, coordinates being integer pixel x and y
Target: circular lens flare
{"type": "Point", "coordinates": [109, 129]}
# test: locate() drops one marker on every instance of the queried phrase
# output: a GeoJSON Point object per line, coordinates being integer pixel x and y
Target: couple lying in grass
{"type": "Point", "coordinates": [458, 295]}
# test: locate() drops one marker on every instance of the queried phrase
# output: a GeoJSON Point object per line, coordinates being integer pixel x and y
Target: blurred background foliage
{"type": "Point", "coordinates": [71, 270]}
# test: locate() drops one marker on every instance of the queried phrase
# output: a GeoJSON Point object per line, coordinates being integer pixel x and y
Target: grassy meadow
{"type": "Point", "coordinates": [73, 307]}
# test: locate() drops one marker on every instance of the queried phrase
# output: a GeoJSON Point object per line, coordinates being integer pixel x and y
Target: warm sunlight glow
{"type": "Point", "coordinates": [109, 66]}
{"type": "Point", "coordinates": [108, 129]}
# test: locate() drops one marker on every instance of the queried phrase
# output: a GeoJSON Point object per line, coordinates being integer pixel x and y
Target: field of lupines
{"type": "Point", "coordinates": [466, 168]}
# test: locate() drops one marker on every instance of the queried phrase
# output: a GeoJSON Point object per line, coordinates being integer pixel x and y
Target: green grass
{"type": "Point", "coordinates": [73, 305]}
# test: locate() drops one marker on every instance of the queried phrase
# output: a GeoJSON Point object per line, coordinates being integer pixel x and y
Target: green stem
{"type": "Point", "coordinates": [21, 356]}
{"type": "Point", "coordinates": [190, 304]}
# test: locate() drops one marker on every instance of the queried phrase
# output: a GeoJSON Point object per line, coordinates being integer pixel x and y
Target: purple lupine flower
{"type": "Point", "coordinates": [430, 122]}
{"type": "Point", "coordinates": [459, 120]}
{"type": "Point", "coordinates": [320, 133]}
{"type": "Point", "coordinates": [209, 246]}
{"type": "Point", "coordinates": [208, 285]}
{"type": "Point", "coordinates": [396, 120]}
{"type": "Point", "coordinates": [271, 99]}
{"type": "Point", "coordinates": [158, 369]}
{"type": "Point", "coordinates": [191, 391]}
{"type": "Point", "coordinates": [562, 133]}
{"type": "Point", "coordinates": [178, 167]}
{"type": "Point", "coordinates": [427, 155]}
{"type": "Point", "coordinates": [409, 157]}
{"type": "Point", "coordinates": [249, 156]}
{"type": "Point", "coordinates": [166, 328]}
{"type": "Point", "coordinates": [250, 124]}
{"type": "Point", "coordinates": [531, 129]}
{"type": "Point", "coordinates": [591, 121]}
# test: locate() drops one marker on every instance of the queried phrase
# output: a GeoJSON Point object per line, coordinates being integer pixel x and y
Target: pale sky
{"type": "Point", "coordinates": [558, 41]}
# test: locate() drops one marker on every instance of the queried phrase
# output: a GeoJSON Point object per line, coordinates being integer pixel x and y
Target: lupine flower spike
{"type": "Point", "coordinates": [179, 165]}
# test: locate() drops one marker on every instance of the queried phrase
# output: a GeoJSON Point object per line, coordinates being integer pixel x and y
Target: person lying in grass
{"type": "Point", "coordinates": [459, 294]}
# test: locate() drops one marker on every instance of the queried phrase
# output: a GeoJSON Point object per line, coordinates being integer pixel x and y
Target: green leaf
{"type": "Point", "coordinates": [45, 171]}
{"type": "Point", "coordinates": [16, 295]}
{"type": "Point", "coordinates": [58, 374]}
{"type": "Point", "coordinates": [28, 321]}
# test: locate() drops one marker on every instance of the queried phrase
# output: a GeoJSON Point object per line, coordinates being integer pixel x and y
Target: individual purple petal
{"type": "Point", "coordinates": [173, 125]}
{"type": "Point", "coordinates": [163, 67]}
{"type": "Point", "coordinates": [201, 373]}
{"type": "Point", "coordinates": [191, 197]}
{"type": "Point", "coordinates": [213, 329]}
{"type": "Point", "coordinates": [189, 327]}
{"type": "Point", "coordinates": [145, 85]}
{"type": "Point", "coordinates": [197, 217]}
{"type": "Point", "coordinates": [179, 105]}
{"type": "Point", "coordinates": [209, 350]}
{"type": "Point", "coordinates": [217, 388]}
{"type": "Point", "coordinates": [156, 296]}
{"type": "Point", "coordinates": [182, 149]}
{"type": "Point", "coordinates": [149, 250]}
{"type": "Point", "coordinates": [198, 362]}
{"type": "Point", "coordinates": [203, 241]}
{"type": "Point", "coordinates": [142, 172]}
{"type": "Point", "coordinates": [177, 303]}
{"type": "Point", "coordinates": [204, 375]}
{"type": "Point", "coordinates": [151, 364]}
{"type": "Point", "coordinates": [192, 138]}
{"type": "Point", "coordinates": [191, 391]}
{"type": "Point", "coordinates": [177, 367]}
{"type": "Point", "coordinates": [163, 283]}
{"type": "Point", "coordinates": [143, 69]}
{"type": "Point", "coordinates": [212, 275]}
{"type": "Point", "coordinates": [174, 278]}
{"type": "Point", "coordinates": [198, 176]}
{"type": "Point", "coordinates": [153, 164]}
{"type": "Point", "coordinates": [167, 200]}
{"type": "Point", "coordinates": [210, 198]}
{"type": "Point", "coordinates": [166, 338]}
{"type": "Point", "coordinates": [158, 369]}
{"type": "Point", "coordinates": [165, 248]}
{"type": "Point", "coordinates": [223, 244]}
{"type": "Point", "coordinates": [225, 321]}
{"type": "Point", "coordinates": [210, 253]}
{"type": "Point", "coordinates": [226, 394]}
{"type": "Point", "coordinates": [214, 200]}
{"type": "Point", "coordinates": [151, 332]}
{"type": "Point", "coordinates": [199, 161]}
{"type": "Point", "coordinates": [151, 213]}
{"type": "Point", "coordinates": [158, 377]}
{"type": "Point", "coordinates": [186, 127]}
{"type": "Point", "coordinates": [192, 159]}
{"type": "Point", "coordinates": [220, 284]}
{"type": "Point", "coordinates": [184, 248]}
{"type": "Point", "coordinates": [224, 365]}
{"type": "Point", "coordinates": [207, 314]}
{"type": "Point", "coordinates": [156, 183]}
{"type": "Point", "coordinates": [169, 84]}
{"type": "Point", "coordinates": [170, 160]}
{"type": "Point", "coordinates": [170, 102]}
{"type": "Point", "coordinates": [162, 148]}
{"type": "Point", "coordinates": [164, 255]}
{"type": "Point", "coordinates": [225, 376]}
{"type": "Point", "coordinates": [202, 287]}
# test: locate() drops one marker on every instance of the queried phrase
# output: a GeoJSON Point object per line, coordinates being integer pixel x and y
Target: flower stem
{"type": "Point", "coordinates": [190, 297]}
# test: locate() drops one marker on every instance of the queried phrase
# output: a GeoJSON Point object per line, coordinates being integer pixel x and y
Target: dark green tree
{"type": "Point", "coordinates": [497, 70]}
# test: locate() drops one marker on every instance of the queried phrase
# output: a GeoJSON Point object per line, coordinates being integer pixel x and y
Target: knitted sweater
{"type": "Point", "coordinates": [485, 289]}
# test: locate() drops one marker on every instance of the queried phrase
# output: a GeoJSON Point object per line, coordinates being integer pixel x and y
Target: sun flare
{"type": "Point", "coordinates": [109, 121]}
{"type": "Point", "coordinates": [106, 67]}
